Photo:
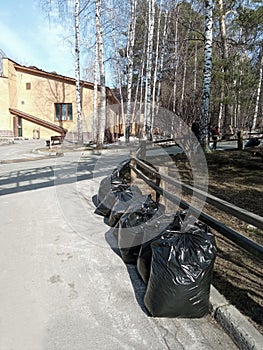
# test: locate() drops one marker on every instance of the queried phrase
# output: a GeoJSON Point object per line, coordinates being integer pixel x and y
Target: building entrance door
{"type": "Point", "coordinates": [19, 126]}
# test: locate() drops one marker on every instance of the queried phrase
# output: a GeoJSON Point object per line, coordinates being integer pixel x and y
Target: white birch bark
{"type": "Point", "coordinates": [131, 39]}
{"type": "Point", "coordinates": [207, 73]}
{"type": "Point", "coordinates": [95, 94]}
{"type": "Point", "coordinates": [176, 58]}
{"type": "Point", "coordinates": [255, 117]}
{"type": "Point", "coordinates": [142, 129]}
{"type": "Point", "coordinates": [223, 110]}
{"type": "Point", "coordinates": [162, 59]}
{"type": "Point", "coordinates": [148, 90]}
{"type": "Point", "coordinates": [77, 73]}
{"type": "Point", "coordinates": [102, 102]}
{"type": "Point", "coordinates": [156, 67]}
{"type": "Point", "coordinates": [137, 107]}
{"type": "Point", "coordinates": [119, 84]}
{"type": "Point", "coordinates": [195, 73]}
{"type": "Point", "coordinates": [184, 79]}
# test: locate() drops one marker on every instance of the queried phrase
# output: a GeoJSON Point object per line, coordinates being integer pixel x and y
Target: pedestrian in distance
{"type": "Point", "coordinates": [196, 129]}
{"type": "Point", "coordinates": [215, 135]}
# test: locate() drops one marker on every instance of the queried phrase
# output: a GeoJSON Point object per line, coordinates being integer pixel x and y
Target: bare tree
{"type": "Point", "coordinates": [130, 47]}
{"type": "Point", "coordinates": [95, 95]}
{"type": "Point", "coordinates": [223, 110]}
{"type": "Point", "coordinates": [102, 103]}
{"type": "Point", "coordinates": [77, 73]}
{"type": "Point", "coordinates": [207, 75]}
{"type": "Point", "coordinates": [148, 82]}
{"type": "Point", "coordinates": [156, 65]}
{"type": "Point", "coordinates": [64, 8]}
{"type": "Point", "coordinates": [164, 39]}
{"type": "Point", "coordinates": [255, 117]}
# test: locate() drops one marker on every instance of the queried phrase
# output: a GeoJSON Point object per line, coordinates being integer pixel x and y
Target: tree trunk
{"type": "Point", "coordinates": [223, 119]}
{"type": "Point", "coordinates": [207, 75]}
{"type": "Point", "coordinates": [102, 102]}
{"type": "Point", "coordinates": [255, 117]}
{"type": "Point", "coordinates": [162, 59]}
{"type": "Point", "coordinates": [176, 58]}
{"type": "Point", "coordinates": [120, 87]}
{"type": "Point", "coordinates": [77, 74]}
{"type": "Point", "coordinates": [131, 39]}
{"type": "Point", "coordinates": [148, 83]}
{"type": "Point", "coordinates": [95, 96]}
{"type": "Point", "coordinates": [156, 66]}
{"type": "Point", "coordinates": [181, 105]}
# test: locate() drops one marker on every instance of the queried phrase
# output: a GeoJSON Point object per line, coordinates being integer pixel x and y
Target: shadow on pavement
{"type": "Point", "coordinates": [43, 177]}
{"type": "Point", "coordinates": [138, 285]}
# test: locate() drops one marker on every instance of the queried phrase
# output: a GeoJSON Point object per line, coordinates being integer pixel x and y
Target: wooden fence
{"type": "Point", "coordinates": [158, 181]}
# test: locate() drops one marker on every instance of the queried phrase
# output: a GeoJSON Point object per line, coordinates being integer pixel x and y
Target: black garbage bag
{"type": "Point", "coordinates": [123, 171]}
{"type": "Point", "coordinates": [135, 225]}
{"type": "Point", "coordinates": [252, 142]}
{"type": "Point", "coordinates": [125, 199]}
{"type": "Point", "coordinates": [104, 188]}
{"type": "Point", "coordinates": [109, 190]}
{"type": "Point", "coordinates": [164, 222]}
{"type": "Point", "coordinates": [181, 273]}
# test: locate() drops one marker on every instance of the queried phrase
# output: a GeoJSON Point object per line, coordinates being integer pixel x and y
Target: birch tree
{"type": "Point", "coordinates": [102, 101]}
{"type": "Point", "coordinates": [206, 90]}
{"type": "Point", "coordinates": [95, 94]}
{"type": "Point", "coordinates": [77, 73]}
{"type": "Point", "coordinates": [64, 9]}
{"type": "Point", "coordinates": [156, 65]}
{"type": "Point", "coordinates": [148, 80]}
{"type": "Point", "coordinates": [255, 117]}
{"type": "Point", "coordinates": [164, 39]}
{"type": "Point", "coordinates": [176, 57]}
{"type": "Point", "coordinates": [223, 117]}
{"type": "Point", "coordinates": [130, 47]}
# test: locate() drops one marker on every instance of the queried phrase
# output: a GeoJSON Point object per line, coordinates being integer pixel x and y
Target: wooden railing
{"type": "Point", "coordinates": [158, 184]}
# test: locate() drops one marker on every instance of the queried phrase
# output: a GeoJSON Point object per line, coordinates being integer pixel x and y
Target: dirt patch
{"type": "Point", "coordinates": [237, 177]}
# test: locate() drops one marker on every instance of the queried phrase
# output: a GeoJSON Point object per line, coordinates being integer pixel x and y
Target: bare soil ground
{"type": "Point", "coordinates": [237, 177]}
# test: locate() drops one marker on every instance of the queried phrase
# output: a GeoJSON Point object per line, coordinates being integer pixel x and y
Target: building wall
{"type": "Point", "coordinates": [6, 124]}
{"type": "Point", "coordinates": [7, 84]}
{"type": "Point", "coordinates": [39, 100]}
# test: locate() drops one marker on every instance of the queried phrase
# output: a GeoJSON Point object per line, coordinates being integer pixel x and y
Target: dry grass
{"type": "Point", "coordinates": [237, 177]}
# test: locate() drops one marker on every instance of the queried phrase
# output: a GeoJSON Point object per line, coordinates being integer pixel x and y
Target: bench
{"type": "Point", "coordinates": [54, 140]}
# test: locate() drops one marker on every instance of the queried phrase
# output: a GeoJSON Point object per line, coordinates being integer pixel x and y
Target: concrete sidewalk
{"type": "Point", "coordinates": [64, 287]}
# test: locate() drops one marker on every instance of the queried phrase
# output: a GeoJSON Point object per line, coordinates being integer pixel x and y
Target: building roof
{"type": "Point", "coordinates": [52, 75]}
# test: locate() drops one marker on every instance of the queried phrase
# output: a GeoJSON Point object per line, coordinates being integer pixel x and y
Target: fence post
{"type": "Point", "coordinates": [142, 154]}
{"type": "Point", "coordinates": [240, 140]}
{"type": "Point", "coordinates": [133, 163]}
{"type": "Point", "coordinates": [169, 206]}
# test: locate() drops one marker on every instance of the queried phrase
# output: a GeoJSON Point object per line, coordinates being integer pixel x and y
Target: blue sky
{"type": "Point", "coordinates": [29, 38]}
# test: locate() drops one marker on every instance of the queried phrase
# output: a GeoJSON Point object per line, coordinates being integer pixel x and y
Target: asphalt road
{"type": "Point", "coordinates": [63, 287]}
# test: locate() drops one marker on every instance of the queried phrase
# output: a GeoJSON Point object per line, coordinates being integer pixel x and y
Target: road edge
{"type": "Point", "coordinates": [240, 330]}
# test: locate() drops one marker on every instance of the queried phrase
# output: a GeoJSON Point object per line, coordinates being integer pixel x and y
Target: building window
{"type": "Point", "coordinates": [28, 86]}
{"type": "Point", "coordinates": [63, 112]}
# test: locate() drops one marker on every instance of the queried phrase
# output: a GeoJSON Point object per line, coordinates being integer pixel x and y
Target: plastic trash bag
{"type": "Point", "coordinates": [123, 201]}
{"type": "Point", "coordinates": [123, 171]}
{"type": "Point", "coordinates": [181, 272]}
{"type": "Point", "coordinates": [104, 188]}
{"type": "Point", "coordinates": [156, 228]}
{"type": "Point", "coordinates": [109, 190]}
{"type": "Point", "coordinates": [136, 225]}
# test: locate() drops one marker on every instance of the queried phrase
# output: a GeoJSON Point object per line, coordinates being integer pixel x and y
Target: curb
{"type": "Point", "coordinates": [240, 330]}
